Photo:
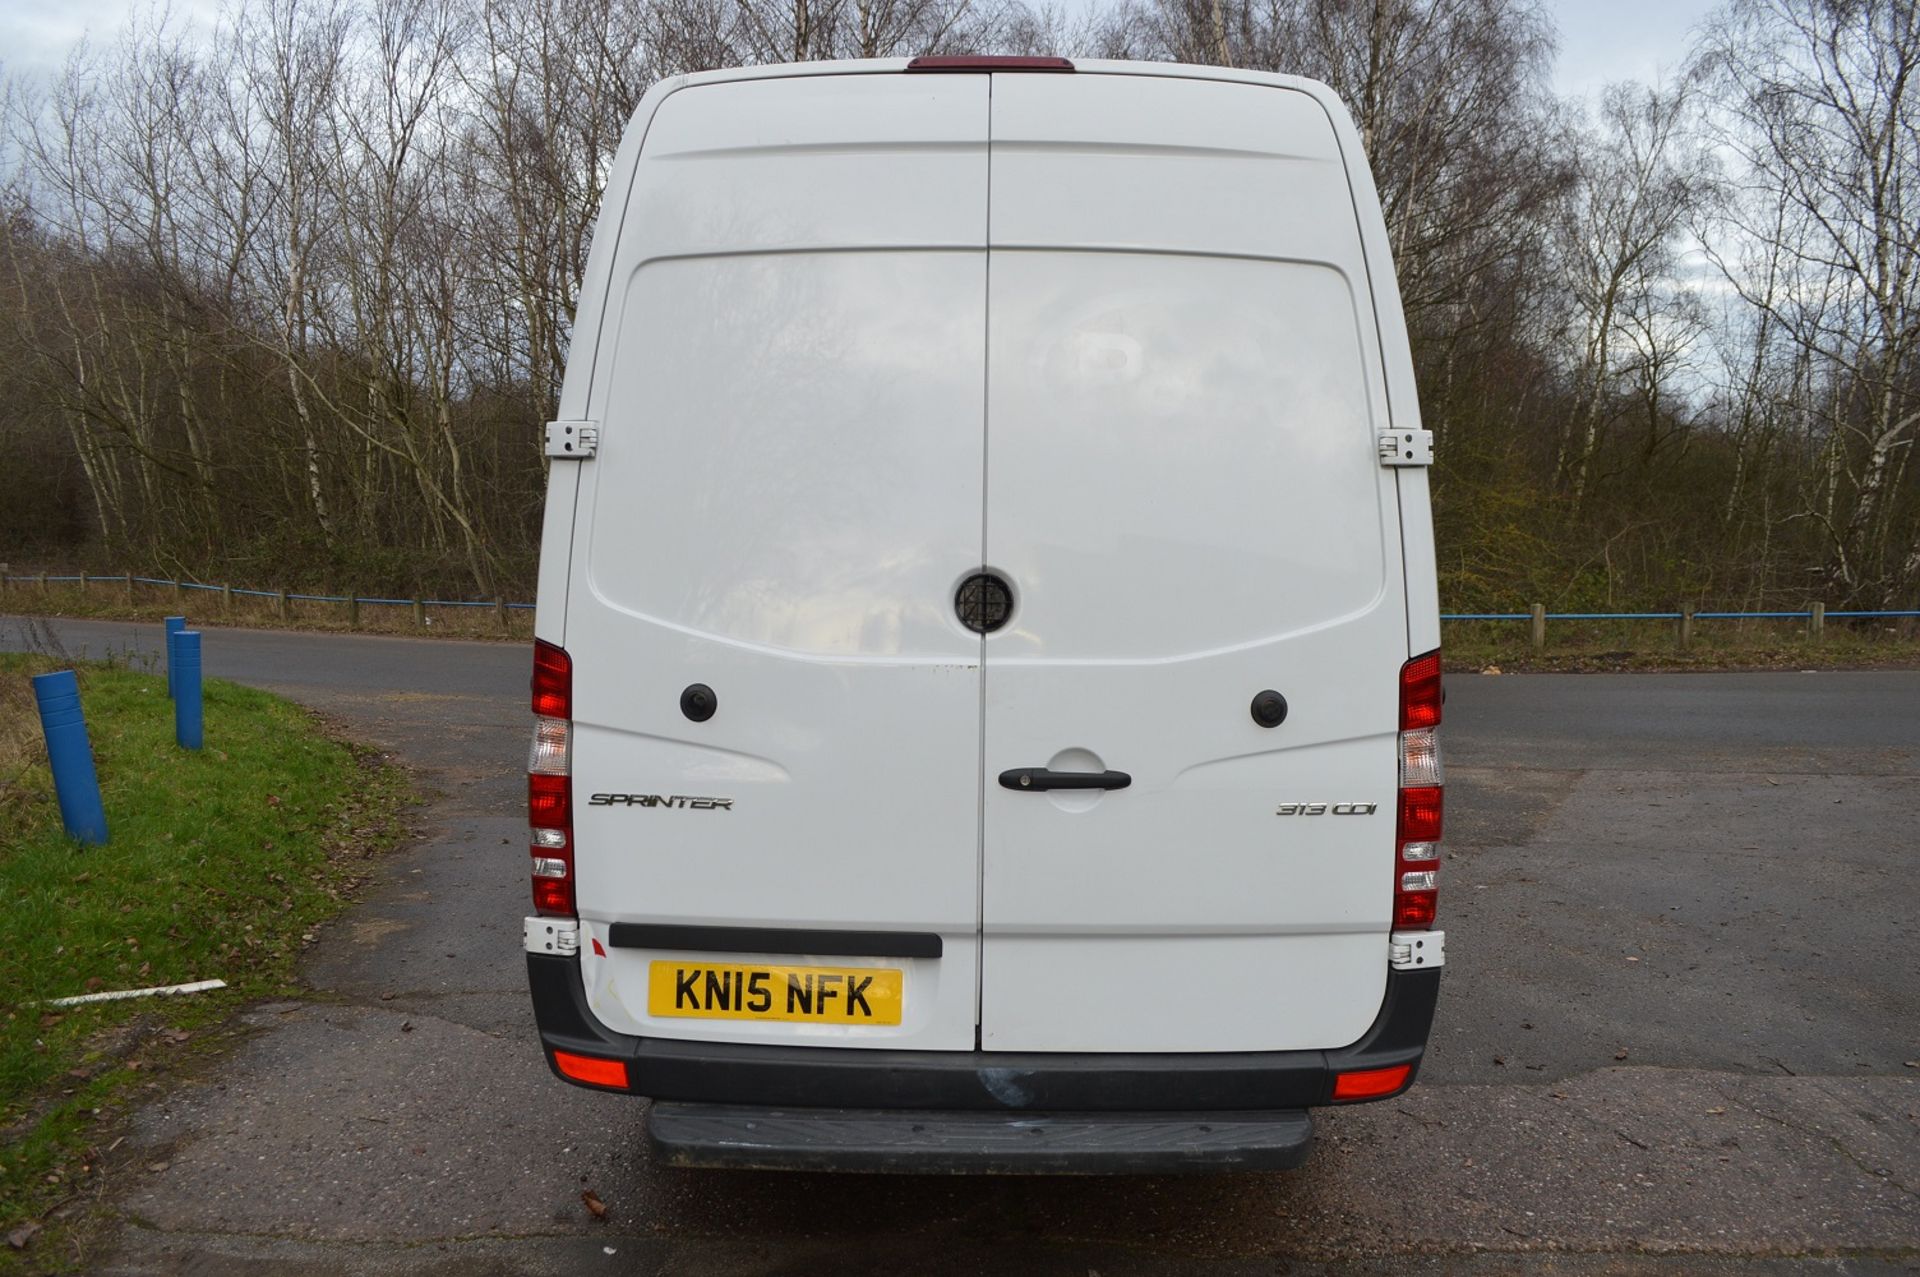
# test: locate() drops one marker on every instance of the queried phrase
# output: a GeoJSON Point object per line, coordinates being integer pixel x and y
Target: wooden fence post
{"type": "Point", "coordinates": [226, 597]}
{"type": "Point", "coordinates": [1816, 621]}
{"type": "Point", "coordinates": [280, 604]}
{"type": "Point", "coordinates": [353, 611]}
{"type": "Point", "coordinates": [419, 615]}
{"type": "Point", "coordinates": [1686, 626]}
{"type": "Point", "coordinates": [500, 613]}
{"type": "Point", "coordinates": [127, 581]}
{"type": "Point", "coordinates": [179, 591]}
{"type": "Point", "coordinates": [1539, 628]}
{"type": "Point", "coordinates": [43, 583]}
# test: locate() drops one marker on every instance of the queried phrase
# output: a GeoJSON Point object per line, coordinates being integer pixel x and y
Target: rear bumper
{"type": "Point", "coordinates": [749, 1137]}
{"type": "Point", "coordinates": [779, 1078]}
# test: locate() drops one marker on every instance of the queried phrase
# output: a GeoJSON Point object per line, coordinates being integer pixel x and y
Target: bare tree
{"type": "Point", "coordinates": [1615, 246]}
{"type": "Point", "coordinates": [1817, 102]}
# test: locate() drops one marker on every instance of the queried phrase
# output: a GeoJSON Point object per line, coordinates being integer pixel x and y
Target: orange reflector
{"type": "Point", "coordinates": [595, 1072]}
{"type": "Point", "coordinates": [1369, 1084]}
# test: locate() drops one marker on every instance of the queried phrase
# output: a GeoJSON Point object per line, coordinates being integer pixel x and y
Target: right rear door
{"type": "Point", "coordinates": [1184, 494]}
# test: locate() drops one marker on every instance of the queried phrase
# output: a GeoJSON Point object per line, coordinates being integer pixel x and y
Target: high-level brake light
{"type": "Point", "coordinates": [1416, 864]}
{"type": "Point", "coordinates": [988, 62]}
{"type": "Point", "coordinates": [550, 782]}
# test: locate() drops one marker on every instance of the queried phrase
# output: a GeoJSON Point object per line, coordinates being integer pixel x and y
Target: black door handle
{"type": "Point", "coordinates": [1040, 778]}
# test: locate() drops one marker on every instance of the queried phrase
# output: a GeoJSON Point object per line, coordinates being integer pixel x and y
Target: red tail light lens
{"type": "Point", "coordinates": [552, 681]}
{"type": "Point", "coordinates": [591, 1069]}
{"type": "Point", "coordinates": [553, 897]}
{"type": "Point", "coordinates": [549, 804]}
{"type": "Point", "coordinates": [1420, 811]}
{"type": "Point", "coordinates": [1370, 1084]}
{"type": "Point", "coordinates": [1417, 819]}
{"type": "Point", "coordinates": [1420, 697]}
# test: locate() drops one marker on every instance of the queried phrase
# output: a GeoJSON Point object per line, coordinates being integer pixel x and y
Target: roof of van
{"type": "Point", "coordinates": [1081, 66]}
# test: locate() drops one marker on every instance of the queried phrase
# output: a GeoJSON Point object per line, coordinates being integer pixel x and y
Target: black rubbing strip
{"type": "Point", "coordinates": [851, 944]}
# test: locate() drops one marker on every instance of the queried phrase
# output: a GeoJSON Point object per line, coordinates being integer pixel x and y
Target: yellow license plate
{"type": "Point", "coordinates": [752, 991]}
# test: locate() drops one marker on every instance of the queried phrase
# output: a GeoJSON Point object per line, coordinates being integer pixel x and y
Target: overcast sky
{"type": "Point", "coordinates": [1600, 40]}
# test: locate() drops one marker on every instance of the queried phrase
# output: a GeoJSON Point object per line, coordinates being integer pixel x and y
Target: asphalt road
{"type": "Point", "coordinates": [1674, 1035]}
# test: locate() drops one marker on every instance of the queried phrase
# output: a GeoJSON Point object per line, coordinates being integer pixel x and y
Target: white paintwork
{"type": "Point", "coordinates": [550, 935]}
{"type": "Point", "coordinates": [572, 440]}
{"type": "Point", "coordinates": [1416, 950]}
{"type": "Point", "coordinates": [786, 488]}
{"type": "Point", "coordinates": [1152, 402]}
{"type": "Point", "coordinates": [1184, 484]}
{"type": "Point", "coordinates": [1406, 447]}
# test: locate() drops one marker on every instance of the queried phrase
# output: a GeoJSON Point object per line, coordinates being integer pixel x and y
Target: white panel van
{"type": "Point", "coordinates": [987, 667]}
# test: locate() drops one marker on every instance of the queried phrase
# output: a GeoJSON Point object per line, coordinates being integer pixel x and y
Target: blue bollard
{"type": "Point", "coordinates": [71, 755]}
{"type": "Point", "coordinates": [174, 625]}
{"type": "Point", "coordinates": [186, 699]}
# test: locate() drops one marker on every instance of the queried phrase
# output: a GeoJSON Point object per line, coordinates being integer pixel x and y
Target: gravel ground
{"type": "Point", "coordinates": [1674, 1035]}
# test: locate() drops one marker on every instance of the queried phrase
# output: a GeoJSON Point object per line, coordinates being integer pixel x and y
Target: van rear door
{"type": "Point", "coordinates": [1184, 494]}
{"type": "Point", "coordinates": [789, 385]}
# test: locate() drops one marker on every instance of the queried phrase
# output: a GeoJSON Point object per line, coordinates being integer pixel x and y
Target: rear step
{"type": "Point", "coordinates": [750, 1137]}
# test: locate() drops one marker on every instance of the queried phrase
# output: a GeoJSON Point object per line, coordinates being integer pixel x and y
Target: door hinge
{"type": "Point", "coordinates": [552, 935]}
{"type": "Point", "coordinates": [572, 440]}
{"type": "Point", "coordinates": [1412, 950]}
{"type": "Point", "coordinates": [1406, 448]}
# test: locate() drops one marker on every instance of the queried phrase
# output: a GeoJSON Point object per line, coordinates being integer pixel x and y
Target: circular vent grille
{"type": "Point", "coordinates": [984, 602]}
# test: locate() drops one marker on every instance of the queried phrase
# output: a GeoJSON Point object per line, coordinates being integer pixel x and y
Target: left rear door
{"type": "Point", "coordinates": [788, 488]}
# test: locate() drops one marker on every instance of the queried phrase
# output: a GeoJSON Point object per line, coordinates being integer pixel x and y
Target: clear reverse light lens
{"type": "Point", "coordinates": [1419, 880]}
{"type": "Point", "coordinates": [549, 867]}
{"type": "Point", "coordinates": [551, 742]}
{"type": "Point", "coordinates": [549, 838]}
{"type": "Point", "coordinates": [1420, 851]}
{"type": "Point", "coordinates": [1420, 758]}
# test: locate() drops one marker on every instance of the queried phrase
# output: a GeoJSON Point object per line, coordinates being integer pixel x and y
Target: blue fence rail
{"type": "Point", "coordinates": [1669, 616]}
{"type": "Point", "coordinates": [502, 608]}
{"type": "Point", "coordinates": [1815, 615]}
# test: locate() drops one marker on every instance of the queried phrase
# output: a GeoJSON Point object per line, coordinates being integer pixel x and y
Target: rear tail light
{"type": "Point", "coordinates": [1420, 698]}
{"type": "Point", "coordinates": [591, 1069]}
{"type": "Point", "coordinates": [552, 681]}
{"type": "Point", "coordinates": [1370, 1084]}
{"type": "Point", "coordinates": [1416, 865]}
{"type": "Point", "coordinates": [550, 786]}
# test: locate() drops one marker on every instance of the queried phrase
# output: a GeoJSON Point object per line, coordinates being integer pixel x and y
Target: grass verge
{"type": "Point", "coordinates": [218, 865]}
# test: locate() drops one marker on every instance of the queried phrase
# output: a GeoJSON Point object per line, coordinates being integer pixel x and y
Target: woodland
{"type": "Point", "coordinates": [285, 296]}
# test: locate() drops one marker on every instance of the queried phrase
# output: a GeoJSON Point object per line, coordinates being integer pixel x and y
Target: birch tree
{"type": "Point", "coordinates": [1817, 102]}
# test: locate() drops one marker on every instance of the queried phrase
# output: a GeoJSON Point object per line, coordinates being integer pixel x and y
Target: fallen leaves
{"type": "Point", "coordinates": [595, 1207]}
{"type": "Point", "coordinates": [21, 1236]}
